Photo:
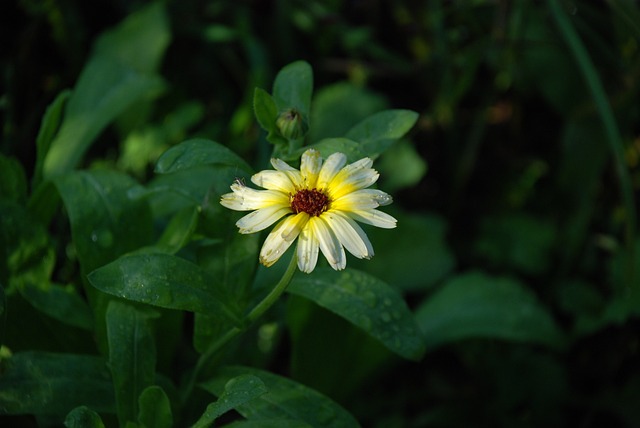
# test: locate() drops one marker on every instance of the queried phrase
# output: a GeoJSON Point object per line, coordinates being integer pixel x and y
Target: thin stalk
{"type": "Point", "coordinates": [612, 133]}
{"type": "Point", "coordinates": [255, 313]}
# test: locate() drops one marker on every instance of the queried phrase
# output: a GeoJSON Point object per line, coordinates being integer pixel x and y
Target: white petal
{"type": "Point", "coordinates": [274, 180]}
{"type": "Point", "coordinates": [307, 250]}
{"type": "Point", "coordinates": [310, 165]}
{"type": "Point", "coordinates": [362, 199]}
{"type": "Point", "coordinates": [348, 181]}
{"type": "Point", "coordinates": [331, 167]}
{"type": "Point", "coordinates": [328, 243]}
{"type": "Point", "coordinates": [245, 198]}
{"type": "Point", "coordinates": [275, 245]}
{"type": "Point", "coordinates": [262, 218]}
{"type": "Point", "coordinates": [350, 235]}
{"type": "Point", "coordinates": [292, 173]}
{"type": "Point", "coordinates": [374, 218]}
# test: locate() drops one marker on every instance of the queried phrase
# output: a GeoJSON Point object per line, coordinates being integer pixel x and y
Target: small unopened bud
{"type": "Point", "coordinates": [291, 124]}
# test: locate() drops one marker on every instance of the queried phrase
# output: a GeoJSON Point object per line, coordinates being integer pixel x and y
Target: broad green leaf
{"type": "Point", "coordinates": [400, 167]}
{"type": "Point", "coordinates": [105, 222]}
{"type": "Point", "coordinates": [199, 152]}
{"type": "Point", "coordinates": [237, 391]}
{"type": "Point", "coordinates": [265, 109]}
{"type": "Point", "coordinates": [478, 305]}
{"type": "Point", "coordinates": [420, 265]}
{"type": "Point", "coordinates": [83, 417]}
{"type": "Point", "coordinates": [379, 131]}
{"type": "Point", "coordinates": [339, 370]}
{"type": "Point", "coordinates": [13, 180]}
{"type": "Point", "coordinates": [337, 108]}
{"type": "Point", "coordinates": [163, 280]}
{"type": "Point", "coordinates": [48, 129]}
{"type": "Point", "coordinates": [132, 356]}
{"type": "Point", "coordinates": [285, 399]}
{"type": "Point", "coordinates": [119, 74]}
{"type": "Point", "coordinates": [59, 302]}
{"type": "Point", "coordinates": [266, 112]}
{"type": "Point", "coordinates": [54, 384]}
{"type": "Point", "coordinates": [179, 230]}
{"type": "Point", "coordinates": [518, 241]}
{"type": "Point", "coordinates": [366, 302]}
{"type": "Point", "coordinates": [293, 87]}
{"type": "Point", "coordinates": [155, 408]}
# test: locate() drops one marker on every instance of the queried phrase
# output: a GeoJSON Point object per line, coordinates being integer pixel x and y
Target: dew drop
{"type": "Point", "coordinates": [385, 316]}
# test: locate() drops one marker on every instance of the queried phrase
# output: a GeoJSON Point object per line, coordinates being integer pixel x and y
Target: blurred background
{"type": "Point", "coordinates": [517, 243]}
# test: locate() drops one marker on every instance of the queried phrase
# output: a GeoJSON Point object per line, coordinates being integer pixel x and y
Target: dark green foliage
{"type": "Point", "coordinates": [506, 132]}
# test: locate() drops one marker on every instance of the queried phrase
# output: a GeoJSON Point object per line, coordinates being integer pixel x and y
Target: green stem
{"type": "Point", "coordinates": [255, 313]}
{"type": "Point", "coordinates": [605, 112]}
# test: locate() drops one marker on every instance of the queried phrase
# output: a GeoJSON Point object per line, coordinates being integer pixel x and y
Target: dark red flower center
{"type": "Point", "coordinates": [310, 201]}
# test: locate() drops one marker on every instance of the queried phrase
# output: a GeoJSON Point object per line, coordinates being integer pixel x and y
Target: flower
{"type": "Point", "coordinates": [320, 204]}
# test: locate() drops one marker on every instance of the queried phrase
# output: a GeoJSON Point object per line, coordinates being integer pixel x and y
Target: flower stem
{"type": "Point", "coordinates": [255, 313]}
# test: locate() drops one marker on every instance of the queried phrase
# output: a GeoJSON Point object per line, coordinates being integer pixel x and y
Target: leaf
{"type": "Point", "coordinates": [293, 88]}
{"type": "Point", "coordinates": [49, 127]}
{"type": "Point", "coordinates": [13, 180]}
{"type": "Point", "coordinates": [428, 260]}
{"type": "Point", "coordinates": [163, 280]}
{"type": "Point", "coordinates": [269, 423]}
{"type": "Point", "coordinates": [61, 303]}
{"type": "Point", "coordinates": [265, 110]}
{"type": "Point", "coordinates": [155, 408]}
{"type": "Point", "coordinates": [337, 108]}
{"type": "Point", "coordinates": [105, 222]}
{"type": "Point", "coordinates": [379, 131]}
{"type": "Point", "coordinates": [83, 417]}
{"type": "Point", "coordinates": [477, 305]}
{"type": "Point", "coordinates": [199, 152]}
{"type": "Point", "coordinates": [119, 73]}
{"type": "Point", "coordinates": [285, 399]}
{"type": "Point", "coordinates": [179, 230]}
{"type": "Point", "coordinates": [401, 167]}
{"type": "Point", "coordinates": [366, 302]}
{"type": "Point", "coordinates": [44, 383]}
{"type": "Point", "coordinates": [132, 356]}
{"type": "Point", "coordinates": [237, 391]}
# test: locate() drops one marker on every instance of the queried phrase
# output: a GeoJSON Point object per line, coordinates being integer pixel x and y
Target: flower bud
{"type": "Point", "coordinates": [291, 124]}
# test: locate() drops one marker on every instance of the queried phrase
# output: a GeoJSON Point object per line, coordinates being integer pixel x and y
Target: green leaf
{"type": "Point", "coordinates": [337, 108]}
{"type": "Point", "coordinates": [105, 222]}
{"type": "Point", "coordinates": [83, 417]}
{"type": "Point", "coordinates": [49, 127]}
{"type": "Point", "coordinates": [379, 131]}
{"type": "Point", "coordinates": [13, 180]}
{"type": "Point", "coordinates": [477, 305]}
{"type": "Point", "coordinates": [401, 167]}
{"type": "Point", "coordinates": [155, 408]}
{"type": "Point", "coordinates": [428, 260]}
{"type": "Point", "coordinates": [163, 280]}
{"type": "Point", "coordinates": [132, 356]}
{"type": "Point", "coordinates": [199, 152]}
{"type": "Point", "coordinates": [285, 399]}
{"type": "Point", "coordinates": [61, 303]}
{"type": "Point", "coordinates": [264, 107]}
{"type": "Point", "coordinates": [179, 230]}
{"type": "Point", "coordinates": [368, 303]}
{"type": "Point", "coordinates": [45, 383]}
{"type": "Point", "coordinates": [293, 87]}
{"type": "Point", "coordinates": [237, 392]}
{"type": "Point", "coordinates": [269, 423]}
{"type": "Point", "coordinates": [119, 74]}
